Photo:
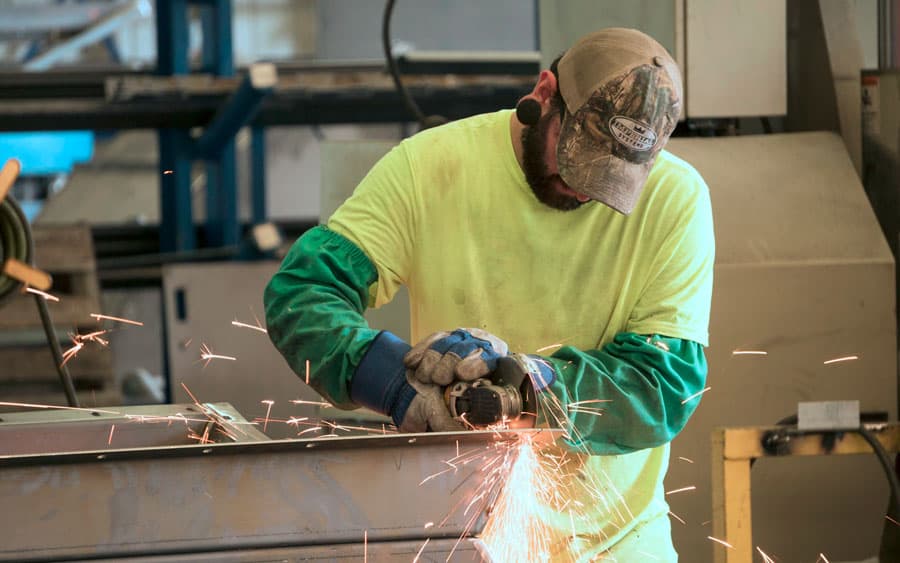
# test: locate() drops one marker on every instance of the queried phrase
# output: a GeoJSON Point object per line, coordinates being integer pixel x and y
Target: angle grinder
{"type": "Point", "coordinates": [506, 395]}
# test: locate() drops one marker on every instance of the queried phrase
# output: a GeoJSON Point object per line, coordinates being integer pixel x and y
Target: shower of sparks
{"type": "Point", "coordinates": [43, 294]}
{"type": "Point", "coordinates": [257, 327]}
{"type": "Point", "coordinates": [516, 530]}
{"type": "Point", "coordinates": [421, 549]}
{"type": "Point", "coordinates": [677, 517]}
{"type": "Point", "coordinates": [843, 359]}
{"type": "Point", "coordinates": [268, 410]}
{"type": "Point", "coordinates": [749, 353]}
{"type": "Point", "coordinates": [111, 430]}
{"type": "Point", "coordinates": [723, 542]}
{"type": "Point", "coordinates": [823, 558]}
{"type": "Point", "coordinates": [116, 319]}
{"type": "Point", "coordinates": [681, 490]}
{"type": "Point", "coordinates": [207, 354]}
{"type": "Point", "coordinates": [695, 395]}
{"type": "Point", "coordinates": [307, 372]}
{"type": "Point", "coordinates": [766, 558]}
{"type": "Point", "coordinates": [685, 459]}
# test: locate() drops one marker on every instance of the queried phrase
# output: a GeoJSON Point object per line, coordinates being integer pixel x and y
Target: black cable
{"type": "Point", "coordinates": [886, 464]}
{"type": "Point", "coordinates": [424, 122]}
{"type": "Point", "coordinates": [16, 242]}
{"type": "Point", "coordinates": [64, 377]}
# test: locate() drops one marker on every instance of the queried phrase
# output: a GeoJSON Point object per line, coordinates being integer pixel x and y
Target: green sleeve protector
{"type": "Point", "coordinates": [314, 311]}
{"type": "Point", "coordinates": [649, 385]}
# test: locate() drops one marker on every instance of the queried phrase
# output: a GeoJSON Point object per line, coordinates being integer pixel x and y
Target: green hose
{"type": "Point", "coordinates": [14, 243]}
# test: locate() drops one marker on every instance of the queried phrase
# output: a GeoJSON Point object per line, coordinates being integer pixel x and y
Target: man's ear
{"type": "Point", "coordinates": [532, 106]}
{"type": "Point", "coordinates": [546, 87]}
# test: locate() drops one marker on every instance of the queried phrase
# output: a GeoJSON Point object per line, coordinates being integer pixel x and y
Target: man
{"type": "Point", "coordinates": [563, 223]}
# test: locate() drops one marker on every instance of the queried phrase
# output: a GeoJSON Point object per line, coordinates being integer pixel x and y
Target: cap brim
{"type": "Point", "coordinates": [608, 179]}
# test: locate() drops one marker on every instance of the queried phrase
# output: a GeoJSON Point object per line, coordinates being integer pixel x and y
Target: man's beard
{"type": "Point", "coordinates": [534, 143]}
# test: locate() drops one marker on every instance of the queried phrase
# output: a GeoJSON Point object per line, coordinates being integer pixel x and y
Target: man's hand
{"type": "Point", "coordinates": [464, 354]}
{"type": "Point", "coordinates": [427, 412]}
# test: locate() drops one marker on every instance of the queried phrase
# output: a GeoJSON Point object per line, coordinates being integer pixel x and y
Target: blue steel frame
{"type": "Point", "coordinates": [178, 149]}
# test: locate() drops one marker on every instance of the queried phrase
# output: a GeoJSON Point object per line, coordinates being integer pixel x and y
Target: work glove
{"type": "Point", "coordinates": [382, 383]}
{"type": "Point", "coordinates": [428, 412]}
{"type": "Point", "coordinates": [464, 354]}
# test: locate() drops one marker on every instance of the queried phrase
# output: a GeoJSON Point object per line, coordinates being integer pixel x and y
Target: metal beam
{"type": "Point", "coordinates": [215, 499]}
{"type": "Point", "coordinates": [104, 27]}
{"type": "Point", "coordinates": [239, 110]}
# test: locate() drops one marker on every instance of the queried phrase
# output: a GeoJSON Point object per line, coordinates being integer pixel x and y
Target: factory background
{"type": "Point", "coordinates": [170, 152]}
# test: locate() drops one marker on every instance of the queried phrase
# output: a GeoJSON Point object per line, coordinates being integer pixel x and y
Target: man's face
{"type": "Point", "coordinates": [541, 171]}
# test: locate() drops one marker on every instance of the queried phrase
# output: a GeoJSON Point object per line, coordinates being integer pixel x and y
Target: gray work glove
{"type": "Point", "coordinates": [465, 354]}
{"type": "Point", "coordinates": [428, 412]}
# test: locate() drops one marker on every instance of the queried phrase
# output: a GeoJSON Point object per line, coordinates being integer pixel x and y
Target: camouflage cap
{"type": "Point", "coordinates": [622, 92]}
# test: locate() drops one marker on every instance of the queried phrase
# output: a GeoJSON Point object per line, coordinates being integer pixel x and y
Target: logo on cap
{"type": "Point", "coordinates": [633, 134]}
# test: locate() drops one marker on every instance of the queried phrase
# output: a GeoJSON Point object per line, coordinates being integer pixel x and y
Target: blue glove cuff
{"type": "Point", "coordinates": [379, 382]}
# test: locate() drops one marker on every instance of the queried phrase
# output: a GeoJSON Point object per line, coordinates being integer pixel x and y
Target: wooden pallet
{"type": "Point", "coordinates": [67, 254]}
{"type": "Point", "coordinates": [27, 370]}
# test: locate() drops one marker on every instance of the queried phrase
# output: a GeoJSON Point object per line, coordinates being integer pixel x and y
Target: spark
{"type": "Point", "coordinates": [843, 359]}
{"type": "Point", "coordinates": [723, 542]}
{"type": "Point", "coordinates": [766, 558]}
{"type": "Point", "coordinates": [695, 395]}
{"type": "Point", "coordinates": [589, 401]}
{"type": "Point", "coordinates": [191, 395]}
{"type": "Point", "coordinates": [71, 352]}
{"type": "Point", "coordinates": [365, 545]}
{"type": "Point", "coordinates": [428, 525]}
{"type": "Point", "coordinates": [545, 348]}
{"type": "Point", "coordinates": [116, 319]}
{"type": "Point", "coordinates": [888, 517]}
{"type": "Point", "coordinates": [313, 429]}
{"type": "Point", "coordinates": [685, 459]}
{"type": "Point", "coordinates": [749, 353]}
{"type": "Point", "coordinates": [252, 327]}
{"type": "Point", "coordinates": [268, 410]}
{"type": "Point", "coordinates": [111, 430]}
{"type": "Point", "coordinates": [78, 341]}
{"type": "Point", "coordinates": [167, 172]}
{"type": "Point", "coordinates": [650, 555]}
{"type": "Point", "coordinates": [421, 549]}
{"type": "Point", "coordinates": [307, 372]}
{"type": "Point", "coordinates": [681, 490]}
{"type": "Point", "coordinates": [43, 294]}
{"type": "Point", "coordinates": [677, 517]}
{"type": "Point", "coordinates": [315, 403]}
{"type": "Point", "coordinates": [38, 406]}
{"type": "Point", "coordinates": [823, 558]}
{"type": "Point", "coordinates": [206, 353]}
